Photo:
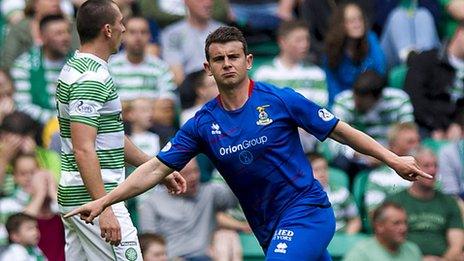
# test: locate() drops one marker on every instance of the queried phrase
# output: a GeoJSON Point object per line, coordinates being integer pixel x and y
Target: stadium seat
{"type": "Point", "coordinates": [338, 177]}
{"type": "Point", "coordinates": [251, 249]}
{"type": "Point", "coordinates": [397, 76]}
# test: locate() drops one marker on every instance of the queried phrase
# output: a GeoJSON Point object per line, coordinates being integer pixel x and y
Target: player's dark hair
{"type": "Point", "coordinates": [46, 20]}
{"type": "Point", "coordinates": [225, 34]}
{"type": "Point", "coordinates": [92, 16]}
{"type": "Point", "coordinates": [369, 83]}
{"type": "Point", "coordinates": [379, 212]}
{"type": "Point", "coordinates": [147, 239]}
{"type": "Point", "coordinates": [14, 222]}
{"type": "Point", "coordinates": [287, 27]}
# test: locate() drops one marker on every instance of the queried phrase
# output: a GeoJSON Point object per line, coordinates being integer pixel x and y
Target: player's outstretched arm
{"type": "Point", "coordinates": [406, 167]}
{"type": "Point", "coordinates": [143, 178]}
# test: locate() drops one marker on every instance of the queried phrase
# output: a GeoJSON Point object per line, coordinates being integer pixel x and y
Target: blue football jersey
{"type": "Point", "coordinates": [257, 150]}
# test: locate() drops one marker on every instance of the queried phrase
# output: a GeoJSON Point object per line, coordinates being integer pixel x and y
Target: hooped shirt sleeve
{"type": "Point", "coordinates": [306, 114]}
{"type": "Point", "coordinates": [86, 99]}
{"type": "Point", "coordinates": [182, 148]}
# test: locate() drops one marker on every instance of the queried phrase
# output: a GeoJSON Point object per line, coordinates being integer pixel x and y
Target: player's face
{"type": "Point", "coordinates": [394, 228]}
{"type": "Point", "coordinates": [137, 36]}
{"type": "Point", "coordinates": [228, 63]}
{"type": "Point", "coordinates": [117, 29]}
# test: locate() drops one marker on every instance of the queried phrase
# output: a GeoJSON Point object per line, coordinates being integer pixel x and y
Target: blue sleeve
{"type": "Point", "coordinates": [376, 53]}
{"type": "Point", "coordinates": [306, 114]}
{"type": "Point", "coordinates": [332, 83]}
{"type": "Point", "coordinates": [182, 148]}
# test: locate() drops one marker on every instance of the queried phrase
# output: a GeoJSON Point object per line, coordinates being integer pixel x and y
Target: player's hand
{"type": "Point", "coordinates": [88, 212]}
{"type": "Point", "coordinates": [109, 227]}
{"type": "Point", "coordinates": [175, 183]}
{"type": "Point", "coordinates": [408, 169]}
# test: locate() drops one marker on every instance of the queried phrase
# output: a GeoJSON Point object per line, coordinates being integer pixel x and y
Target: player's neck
{"type": "Point", "coordinates": [234, 98]}
{"type": "Point", "coordinates": [96, 49]}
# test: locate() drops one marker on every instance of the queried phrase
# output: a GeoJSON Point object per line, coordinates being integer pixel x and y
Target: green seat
{"type": "Point", "coordinates": [434, 145]}
{"type": "Point", "coordinates": [342, 243]}
{"type": "Point", "coordinates": [359, 189]}
{"type": "Point", "coordinates": [397, 76]}
{"type": "Point", "coordinates": [338, 177]}
{"type": "Point", "coordinates": [252, 251]}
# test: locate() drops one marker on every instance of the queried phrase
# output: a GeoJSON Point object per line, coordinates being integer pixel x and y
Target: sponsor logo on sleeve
{"type": "Point", "coordinates": [325, 115]}
{"type": "Point", "coordinates": [167, 147]}
{"type": "Point", "coordinates": [84, 108]}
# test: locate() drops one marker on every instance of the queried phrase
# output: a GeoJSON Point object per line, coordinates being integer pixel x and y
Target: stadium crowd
{"type": "Point", "coordinates": [393, 69]}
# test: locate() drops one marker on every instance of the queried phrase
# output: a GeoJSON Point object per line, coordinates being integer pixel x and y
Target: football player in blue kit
{"type": "Point", "coordinates": [250, 133]}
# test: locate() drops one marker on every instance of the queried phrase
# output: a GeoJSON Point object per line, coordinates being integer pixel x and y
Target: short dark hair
{"type": "Point", "coordinates": [14, 222]}
{"type": "Point", "coordinates": [19, 123]}
{"type": "Point", "coordinates": [289, 26]}
{"type": "Point", "coordinates": [225, 34]}
{"type": "Point", "coordinates": [147, 239]}
{"type": "Point", "coordinates": [49, 19]}
{"type": "Point", "coordinates": [379, 212]}
{"type": "Point", "coordinates": [92, 16]}
{"type": "Point", "coordinates": [314, 156]}
{"type": "Point", "coordinates": [369, 82]}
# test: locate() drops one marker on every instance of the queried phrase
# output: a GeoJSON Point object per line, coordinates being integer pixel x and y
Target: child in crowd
{"type": "Point", "coordinates": [345, 209]}
{"type": "Point", "coordinates": [153, 247]}
{"type": "Point", "coordinates": [24, 235]}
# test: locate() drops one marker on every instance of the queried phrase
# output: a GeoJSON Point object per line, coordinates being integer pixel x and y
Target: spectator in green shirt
{"type": "Point", "coordinates": [389, 241]}
{"type": "Point", "coordinates": [435, 222]}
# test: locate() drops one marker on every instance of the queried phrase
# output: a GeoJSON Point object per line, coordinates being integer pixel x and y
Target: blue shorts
{"type": "Point", "coordinates": [303, 233]}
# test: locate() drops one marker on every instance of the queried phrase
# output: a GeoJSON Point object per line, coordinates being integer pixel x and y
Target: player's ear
{"type": "Point", "coordinates": [207, 69]}
{"type": "Point", "coordinates": [107, 30]}
{"type": "Point", "coordinates": [249, 61]}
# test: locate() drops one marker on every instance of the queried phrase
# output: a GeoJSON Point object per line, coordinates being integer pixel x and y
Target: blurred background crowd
{"type": "Point", "coordinates": [393, 69]}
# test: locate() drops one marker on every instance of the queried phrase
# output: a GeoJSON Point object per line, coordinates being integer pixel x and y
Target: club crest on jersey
{"type": "Point", "coordinates": [263, 117]}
